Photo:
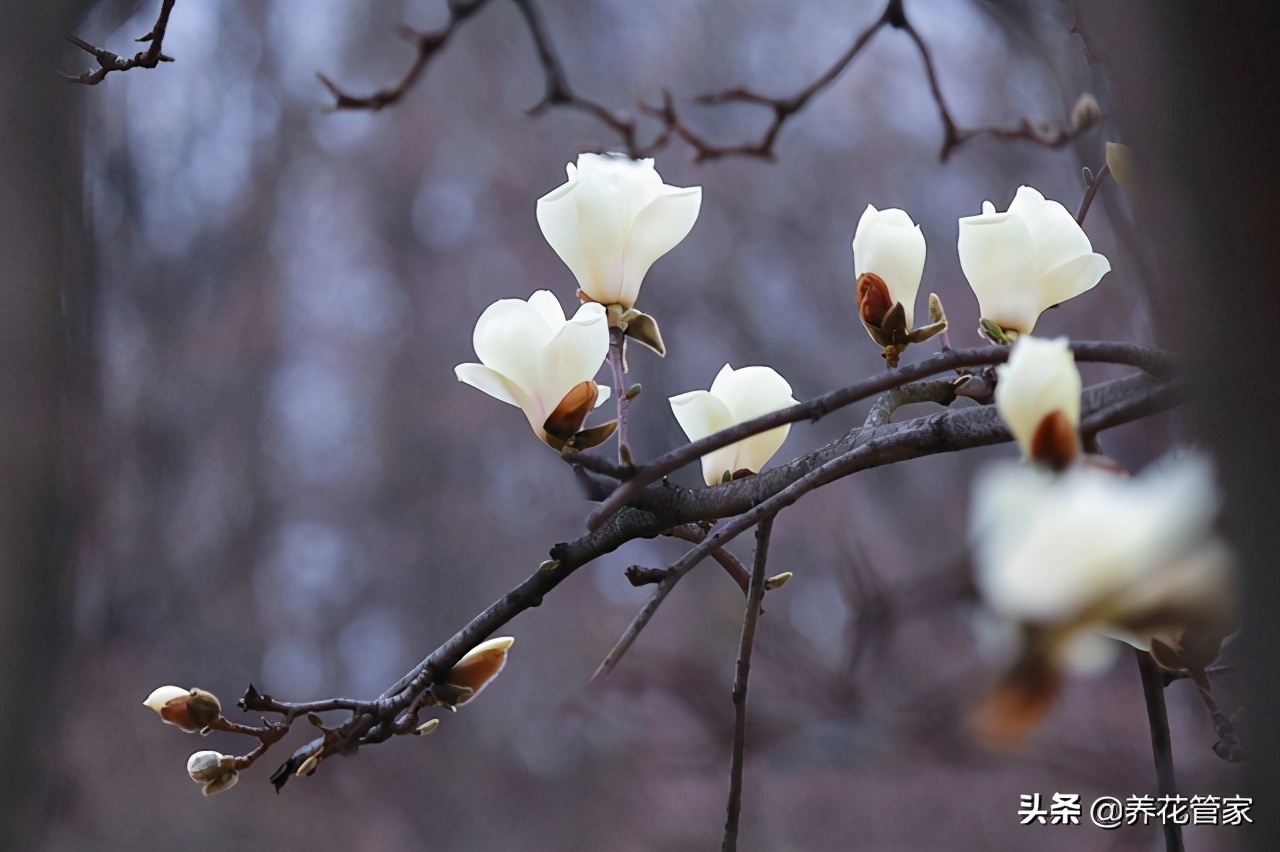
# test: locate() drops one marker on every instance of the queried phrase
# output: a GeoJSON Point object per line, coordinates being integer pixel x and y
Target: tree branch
{"type": "Point", "coordinates": [1161, 746]}
{"type": "Point", "coordinates": [755, 595]}
{"type": "Point", "coordinates": [108, 61]}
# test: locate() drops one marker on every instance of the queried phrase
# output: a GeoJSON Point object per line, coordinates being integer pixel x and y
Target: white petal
{"type": "Point", "coordinates": [1072, 278]}
{"type": "Point", "coordinates": [658, 228]}
{"type": "Point", "coordinates": [748, 393]}
{"type": "Point", "coordinates": [1040, 378]}
{"type": "Point", "coordinates": [508, 337]}
{"type": "Point", "coordinates": [1054, 231]}
{"type": "Point", "coordinates": [548, 308]}
{"type": "Point", "coordinates": [559, 219]}
{"type": "Point", "coordinates": [700, 414]}
{"type": "Point", "coordinates": [491, 382]}
{"type": "Point", "coordinates": [889, 244]}
{"type": "Point", "coordinates": [573, 356]}
{"type": "Point", "coordinates": [163, 695]}
{"type": "Point", "coordinates": [997, 257]}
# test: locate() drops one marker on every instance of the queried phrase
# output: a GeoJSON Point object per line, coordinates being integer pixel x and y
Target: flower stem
{"type": "Point", "coordinates": [1161, 746]}
{"type": "Point", "coordinates": [617, 363]}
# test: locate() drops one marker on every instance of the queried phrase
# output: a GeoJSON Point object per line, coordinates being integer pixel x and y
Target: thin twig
{"type": "Point", "coordinates": [694, 534]}
{"type": "Point", "coordinates": [755, 595]}
{"type": "Point", "coordinates": [1161, 745]}
{"type": "Point", "coordinates": [428, 45]}
{"type": "Point", "coordinates": [1091, 191]}
{"type": "Point", "coordinates": [108, 61]}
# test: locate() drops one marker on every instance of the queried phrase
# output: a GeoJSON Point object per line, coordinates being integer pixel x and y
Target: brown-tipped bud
{"type": "Point", "coordinates": [873, 298]}
{"type": "Point", "coordinates": [1056, 442]}
{"type": "Point", "coordinates": [427, 727]}
{"type": "Point", "coordinates": [567, 418]}
{"type": "Point", "coordinates": [190, 709]}
{"type": "Point", "coordinates": [213, 771]}
{"type": "Point", "coordinates": [480, 666]}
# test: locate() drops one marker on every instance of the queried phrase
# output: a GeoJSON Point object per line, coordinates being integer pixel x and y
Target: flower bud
{"type": "Point", "coordinates": [474, 671]}
{"type": "Point", "coordinates": [213, 771]}
{"type": "Point", "coordinates": [1038, 395]}
{"type": "Point", "coordinates": [1086, 112]}
{"type": "Point", "coordinates": [427, 727]}
{"type": "Point", "coordinates": [190, 709]}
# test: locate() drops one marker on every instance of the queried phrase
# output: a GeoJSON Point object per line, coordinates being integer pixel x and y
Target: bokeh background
{"type": "Point", "coordinates": [278, 480]}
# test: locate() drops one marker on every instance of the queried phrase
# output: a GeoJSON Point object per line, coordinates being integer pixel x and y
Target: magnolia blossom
{"type": "Point", "coordinates": [533, 358]}
{"type": "Point", "coordinates": [1027, 259]}
{"type": "Point", "coordinates": [190, 709]}
{"type": "Point", "coordinates": [1071, 554]}
{"type": "Point", "coordinates": [611, 220]}
{"type": "Point", "coordinates": [889, 245]}
{"type": "Point", "coordinates": [735, 397]}
{"type": "Point", "coordinates": [1038, 395]}
{"type": "Point", "coordinates": [478, 668]}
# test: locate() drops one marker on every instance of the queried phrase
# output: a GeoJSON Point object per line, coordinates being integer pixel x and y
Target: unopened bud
{"type": "Point", "coordinates": [1086, 112]}
{"type": "Point", "coordinates": [190, 709]}
{"type": "Point", "coordinates": [213, 771]}
{"type": "Point", "coordinates": [480, 666]}
{"type": "Point", "coordinates": [777, 581]}
{"type": "Point", "coordinates": [307, 766]}
{"type": "Point", "coordinates": [427, 727]}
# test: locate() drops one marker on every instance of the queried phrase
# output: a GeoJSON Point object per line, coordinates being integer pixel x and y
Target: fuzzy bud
{"type": "Point", "coordinates": [190, 709]}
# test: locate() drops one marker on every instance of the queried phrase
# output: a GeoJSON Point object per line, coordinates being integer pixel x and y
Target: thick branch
{"type": "Point", "coordinates": [1153, 361]}
{"type": "Point", "coordinates": [108, 61]}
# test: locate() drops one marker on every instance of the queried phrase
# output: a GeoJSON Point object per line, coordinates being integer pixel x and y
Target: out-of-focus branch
{"type": "Point", "coordinates": [108, 61]}
{"type": "Point", "coordinates": [428, 44]}
{"type": "Point", "coordinates": [1161, 744]}
{"type": "Point", "coordinates": [1091, 189]}
{"type": "Point", "coordinates": [560, 94]}
{"type": "Point", "coordinates": [755, 595]}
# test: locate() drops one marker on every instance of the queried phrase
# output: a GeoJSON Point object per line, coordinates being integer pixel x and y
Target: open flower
{"type": "Point", "coordinates": [1038, 395]}
{"type": "Point", "coordinates": [1025, 260]}
{"type": "Point", "coordinates": [735, 397]}
{"type": "Point", "coordinates": [533, 358]}
{"type": "Point", "coordinates": [611, 220]}
{"type": "Point", "coordinates": [1066, 561]}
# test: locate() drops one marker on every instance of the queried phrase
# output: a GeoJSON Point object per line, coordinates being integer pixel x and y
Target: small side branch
{"type": "Point", "coordinates": [1090, 191]}
{"type": "Point", "coordinates": [755, 595]}
{"type": "Point", "coordinates": [108, 61]}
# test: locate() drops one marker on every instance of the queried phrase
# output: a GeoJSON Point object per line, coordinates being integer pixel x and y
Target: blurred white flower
{"type": "Point", "coordinates": [735, 397]}
{"type": "Point", "coordinates": [533, 358]}
{"type": "Point", "coordinates": [611, 220]}
{"type": "Point", "coordinates": [891, 246]}
{"type": "Point", "coordinates": [1086, 550]}
{"type": "Point", "coordinates": [1038, 395]}
{"type": "Point", "coordinates": [1025, 260]}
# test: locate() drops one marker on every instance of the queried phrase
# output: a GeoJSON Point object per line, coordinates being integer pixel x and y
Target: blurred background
{"type": "Point", "coordinates": [275, 477]}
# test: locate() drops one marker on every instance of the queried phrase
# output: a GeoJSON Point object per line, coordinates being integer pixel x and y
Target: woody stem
{"type": "Point", "coordinates": [1161, 745]}
{"type": "Point", "coordinates": [617, 362]}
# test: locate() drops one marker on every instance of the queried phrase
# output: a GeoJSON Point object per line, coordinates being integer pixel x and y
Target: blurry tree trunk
{"type": "Point", "coordinates": [40, 262]}
{"type": "Point", "coordinates": [1197, 95]}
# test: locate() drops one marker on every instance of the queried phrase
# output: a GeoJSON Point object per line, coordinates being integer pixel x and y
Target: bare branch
{"type": "Point", "coordinates": [755, 595]}
{"type": "Point", "coordinates": [1091, 190]}
{"type": "Point", "coordinates": [428, 44]}
{"type": "Point", "coordinates": [108, 61]}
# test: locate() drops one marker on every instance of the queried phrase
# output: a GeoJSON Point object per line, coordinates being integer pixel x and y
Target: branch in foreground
{"type": "Point", "coordinates": [108, 61]}
{"type": "Point", "coordinates": [755, 596]}
{"type": "Point", "coordinates": [1152, 361]}
{"type": "Point", "coordinates": [948, 431]}
{"type": "Point", "coordinates": [1161, 744]}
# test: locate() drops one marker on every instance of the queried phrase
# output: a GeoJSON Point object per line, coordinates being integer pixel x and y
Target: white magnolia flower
{"type": "Point", "coordinates": [1041, 382]}
{"type": "Point", "coordinates": [531, 357]}
{"type": "Point", "coordinates": [1088, 550]}
{"type": "Point", "coordinates": [888, 244]}
{"type": "Point", "coordinates": [735, 397]}
{"type": "Point", "coordinates": [1027, 259]}
{"type": "Point", "coordinates": [612, 219]}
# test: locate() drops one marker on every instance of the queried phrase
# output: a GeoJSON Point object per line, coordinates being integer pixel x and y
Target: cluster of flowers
{"type": "Point", "coordinates": [614, 218]}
